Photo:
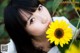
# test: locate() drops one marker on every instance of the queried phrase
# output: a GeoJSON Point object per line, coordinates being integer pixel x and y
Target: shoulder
{"type": "Point", "coordinates": [60, 18]}
{"type": "Point", "coordinates": [54, 49]}
{"type": "Point", "coordinates": [11, 47]}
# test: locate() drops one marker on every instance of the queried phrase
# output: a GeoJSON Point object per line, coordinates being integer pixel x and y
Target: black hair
{"type": "Point", "coordinates": [15, 25]}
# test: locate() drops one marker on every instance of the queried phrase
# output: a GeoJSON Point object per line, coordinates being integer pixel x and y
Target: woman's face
{"type": "Point", "coordinates": [38, 22]}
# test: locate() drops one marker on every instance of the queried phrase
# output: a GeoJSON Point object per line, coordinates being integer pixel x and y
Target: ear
{"type": "Point", "coordinates": [25, 15]}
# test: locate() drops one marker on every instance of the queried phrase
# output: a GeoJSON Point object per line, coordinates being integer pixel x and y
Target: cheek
{"type": "Point", "coordinates": [46, 12]}
{"type": "Point", "coordinates": [37, 29]}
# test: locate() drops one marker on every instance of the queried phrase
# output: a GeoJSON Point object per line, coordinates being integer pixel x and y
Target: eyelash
{"type": "Point", "coordinates": [39, 8]}
{"type": "Point", "coordinates": [31, 20]}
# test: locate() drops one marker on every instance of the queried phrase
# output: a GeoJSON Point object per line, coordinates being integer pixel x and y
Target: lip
{"type": "Point", "coordinates": [48, 23]}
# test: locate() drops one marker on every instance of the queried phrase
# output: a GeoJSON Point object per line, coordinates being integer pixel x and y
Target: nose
{"type": "Point", "coordinates": [43, 19]}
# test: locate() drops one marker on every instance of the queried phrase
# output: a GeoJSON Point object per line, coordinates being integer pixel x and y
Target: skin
{"type": "Point", "coordinates": [37, 24]}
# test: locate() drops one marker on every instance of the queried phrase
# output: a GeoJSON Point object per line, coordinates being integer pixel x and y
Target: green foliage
{"type": "Point", "coordinates": [52, 5]}
{"type": "Point", "coordinates": [56, 8]}
{"type": "Point", "coordinates": [3, 33]}
{"type": "Point", "coordinates": [55, 5]}
{"type": "Point", "coordinates": [62, 49]}
{"type": "Point", "coordinates": [2, 6]}
{"type": "Point", "coordinates": [75, 21]}
{"type": "Point", "coordinates": [1, 29]}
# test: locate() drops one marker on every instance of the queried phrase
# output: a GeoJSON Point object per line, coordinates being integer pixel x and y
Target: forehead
{"type": "Point", "coordinates": [25, 14]}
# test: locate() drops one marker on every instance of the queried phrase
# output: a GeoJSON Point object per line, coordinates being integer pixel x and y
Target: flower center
{"type": "Point", "coordinates": [59, 33]}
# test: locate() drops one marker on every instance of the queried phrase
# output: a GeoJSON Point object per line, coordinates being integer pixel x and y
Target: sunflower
{"type": "Point", "coordinates": [59, 32]}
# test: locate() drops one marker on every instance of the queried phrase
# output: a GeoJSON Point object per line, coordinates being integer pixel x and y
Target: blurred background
{"type": "Point", "coordinates": [55, 7]}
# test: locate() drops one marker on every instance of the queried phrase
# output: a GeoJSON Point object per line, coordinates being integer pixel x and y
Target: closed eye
{"type": "Point", "coordinates": [40, 7]}
{"type": "Point", "coordinates": [31, 20]}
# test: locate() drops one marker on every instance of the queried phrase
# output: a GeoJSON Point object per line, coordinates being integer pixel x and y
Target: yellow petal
{"type": "Point", "coordinates": [67, 36]}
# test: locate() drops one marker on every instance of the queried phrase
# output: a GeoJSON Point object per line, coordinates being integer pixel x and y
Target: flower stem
{"type": "Point", "coordinates": [73, 5]}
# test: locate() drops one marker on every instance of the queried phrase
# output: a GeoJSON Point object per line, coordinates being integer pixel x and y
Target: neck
{"type": "Point", "coordinates": [40, 38]}
{"type": "Point", "coordinates": [41, 43]}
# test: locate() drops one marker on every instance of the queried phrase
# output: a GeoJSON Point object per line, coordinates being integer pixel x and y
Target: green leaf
{"type": "Point", "coordinates": [4, 34]}
{"type": "Point", "coordinates": [77, 43]}
{"type": "Point", "coordinates": [69, 8]}
{"type": "Point", "coordinates": [75, 22]}
{"type": "Point", "coordinates": [56, 4]}
{"type": "Point", "coordinates": [52, 5]}
{"type": "Point", "coordinates": [65, 46]}
{"type": "Point", "coordinates": [78, 0]}
{"type": "Point", "coordinates": [49, 5]}
{"type": "Point", "coordinates": [2, 6]}
{"type": "Point", "coordinates": [1, 19]}
{"type": "Point", "coordinates": [1, 29]}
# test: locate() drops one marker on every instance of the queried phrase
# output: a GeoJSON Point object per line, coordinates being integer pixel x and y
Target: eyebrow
{"type": "Point", "coordinates": [29, 17]}
{"type": "Point", "coordinates": [25, 14]}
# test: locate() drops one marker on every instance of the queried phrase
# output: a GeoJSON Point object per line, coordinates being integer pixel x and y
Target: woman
{"type": "Point", "coordinates": [21, 18]}
{"type": "Point", "coordinates": [26, 22]}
